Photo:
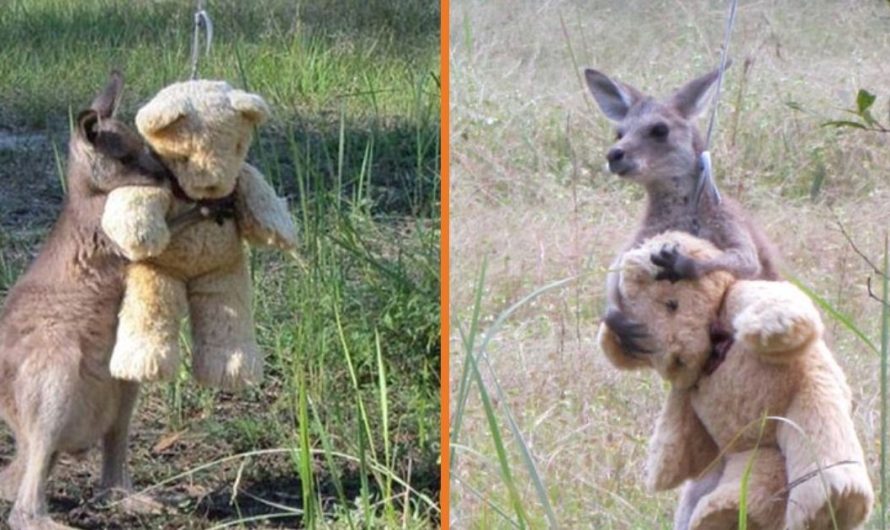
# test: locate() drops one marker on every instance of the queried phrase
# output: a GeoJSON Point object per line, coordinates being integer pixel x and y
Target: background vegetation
{"type": "Point", "coordinates": [344, 431]}
{"type": "Point", "coordinates": [532, 205]}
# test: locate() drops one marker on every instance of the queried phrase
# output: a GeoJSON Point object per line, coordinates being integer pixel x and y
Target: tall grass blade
{"type": "Point", "coordinates": [746, 478]}
{"type": "Point", "coordinates": [835, 313]}
{"type": "Point", "coordinates": [328, 452]}
{"type": "Point", "coordinates": [525, 452]}
{"type": "Point", "coordinates": [500, 449]}
{"type": "Point", "coordinates": [565, 34]}
{"type": "Point", "coordinates": [468, 339]}
{"type": "Point", "coordinates": [384, 417]}
{"type": "Point", "coordinates": [363, 414]}
{"type": "Point", "coordinates": [307, 478]}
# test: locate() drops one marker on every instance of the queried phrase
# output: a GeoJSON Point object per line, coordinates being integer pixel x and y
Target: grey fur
{"type": "Point", "coordinates": [58, 323]}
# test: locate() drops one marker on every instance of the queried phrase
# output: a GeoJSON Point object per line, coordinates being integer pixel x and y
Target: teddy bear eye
{"type": "Point", "coordinates": [672, 305]}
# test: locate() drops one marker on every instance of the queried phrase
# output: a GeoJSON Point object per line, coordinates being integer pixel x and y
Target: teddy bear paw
{"type": "Point", "coordinates": [841, 495]}
{"type": "Point", "coordinates": [151, 244]}
{"type": "Point", "coordinates": [137, 359]}
{"type": "Point", "coordinates": [142, 244]}
{"type": "Point", "coordinates": [775, 328]}
{"type": "Point", "coordinates": [229, 369]}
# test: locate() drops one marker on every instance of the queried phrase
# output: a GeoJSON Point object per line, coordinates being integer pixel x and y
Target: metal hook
{"type": "Point", "coordinates": [202, 20]}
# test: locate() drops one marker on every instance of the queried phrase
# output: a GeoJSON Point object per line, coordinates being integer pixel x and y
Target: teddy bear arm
{"type": "Point", "coordinates": [681, 447]}
{"type": "Point", "coordinates": [134, 220]}
{"type": "Point", "coordinates": [775, 319]}
{"type": "Point", "coordinates": [147, 343]}
{"type": "Point", "coordinates": [263, 217]}
{"type": "Point", "coordinates": [615, 353]}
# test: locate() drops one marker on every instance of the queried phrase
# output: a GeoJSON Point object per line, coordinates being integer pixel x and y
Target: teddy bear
{"type": "Point", "coordinates": [752, 385]}
{"type": "Point", "coordinates": [186, 238]}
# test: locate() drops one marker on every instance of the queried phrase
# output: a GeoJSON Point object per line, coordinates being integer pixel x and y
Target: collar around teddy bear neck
{"type": "Point", "coordinates": [721, 342]}
{"type": "Point", "coordinates": [216, 209]}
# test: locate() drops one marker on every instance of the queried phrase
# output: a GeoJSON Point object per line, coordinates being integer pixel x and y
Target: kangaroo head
{"type": "Point", "coordinates": [656, 140]}
{"type": "Point", "coordinates": [105, 153]}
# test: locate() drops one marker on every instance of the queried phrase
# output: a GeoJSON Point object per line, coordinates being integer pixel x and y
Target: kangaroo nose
{"type": "Point", "coordinates": [615, 154]}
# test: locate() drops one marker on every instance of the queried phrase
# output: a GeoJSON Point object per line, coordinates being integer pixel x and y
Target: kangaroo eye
{"type": "Point", "coordinates": [659, 131]}
{"type": "Point", "coordinates": [672, 305]}
{"type": "Point", "coordinates": [619, 135]}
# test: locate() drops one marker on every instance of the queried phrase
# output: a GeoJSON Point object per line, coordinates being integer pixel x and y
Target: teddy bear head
{"type": "Point", "coordinates": [678, 315]}
{"type": "Point", "coordinates": [202, 129]}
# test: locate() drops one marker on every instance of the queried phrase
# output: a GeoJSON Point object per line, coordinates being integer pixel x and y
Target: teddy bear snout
{"type": "Point", "coordinates": [210, 186]}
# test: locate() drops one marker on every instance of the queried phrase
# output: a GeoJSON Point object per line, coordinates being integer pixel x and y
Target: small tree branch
{"type": "Point", "coordinates": [872, 294]}
{"type": "Point", "coordinates": [852, 244]}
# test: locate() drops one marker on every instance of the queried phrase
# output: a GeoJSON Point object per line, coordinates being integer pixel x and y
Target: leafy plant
{"type": "Point", "coordinates": [864, 119]}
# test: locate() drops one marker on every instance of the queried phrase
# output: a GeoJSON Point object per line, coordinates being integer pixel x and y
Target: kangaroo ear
{"type": "Point", "coordinates": [106, 102]}
{"type": "Point", "coordinates": [87, 125]}
{"type": "Point", "coordinates": [693, 97]}
{"type": "Point", "coordinates": [613, 98]}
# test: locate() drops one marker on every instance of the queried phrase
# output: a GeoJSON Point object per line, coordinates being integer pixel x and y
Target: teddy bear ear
{"type": "Point", "coordinates": [251, 106]}
{"type": "Point", "coordinates": [160, 117]}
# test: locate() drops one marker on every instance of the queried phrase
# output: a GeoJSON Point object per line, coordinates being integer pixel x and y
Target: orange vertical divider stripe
{"type": "Point", "coordinates": [445, 416]}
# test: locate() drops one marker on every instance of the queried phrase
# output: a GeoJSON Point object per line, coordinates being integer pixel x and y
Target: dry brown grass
{"type": "Point", "coordinates": [529, 196]}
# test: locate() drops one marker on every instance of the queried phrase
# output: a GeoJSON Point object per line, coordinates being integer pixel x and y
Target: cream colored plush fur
{"type": "Point", "coordinates": [202, 130]}
{"type": "Point", "coordinates": [806, 456]}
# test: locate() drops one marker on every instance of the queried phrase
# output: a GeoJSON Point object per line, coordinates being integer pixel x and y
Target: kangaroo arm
{"type": "Point", "coordinates": [739, 258]}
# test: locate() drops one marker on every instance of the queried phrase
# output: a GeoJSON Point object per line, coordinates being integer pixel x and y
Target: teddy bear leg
{"type": "Point", "coordinates": [765, 500]}
{"type": "Point", "coordinates": [225, 354]}
{"type": "Point", "coordinates": [147, 345]}
{"type": "Point", "coordinates": [693, 491]}
{"type": "Point", "coordinates": [827, 477]}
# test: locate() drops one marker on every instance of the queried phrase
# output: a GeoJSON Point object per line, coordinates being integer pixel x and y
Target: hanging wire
{"type": "Point", "coordinates": [202, 21]}
{"type": "Point", "coordinates": [706, 177]}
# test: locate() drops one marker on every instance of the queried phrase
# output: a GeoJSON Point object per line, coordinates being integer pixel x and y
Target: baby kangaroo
{"type": "Point", "coordinates": [58, 324]}
{"type": "Point", "coordinates": [659, 147]}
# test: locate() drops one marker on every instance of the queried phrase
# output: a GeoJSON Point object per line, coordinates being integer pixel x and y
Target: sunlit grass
{"type": "Point", "coordinates": [350, 324]}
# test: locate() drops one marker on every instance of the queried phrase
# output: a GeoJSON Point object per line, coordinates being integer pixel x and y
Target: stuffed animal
{"type": "Point", "coordinates": [186, 239]}
{"type": "Point", "coordinates": [752, 383]}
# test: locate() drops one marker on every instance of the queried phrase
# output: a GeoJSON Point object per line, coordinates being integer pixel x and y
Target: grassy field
{"type": "Point", "coordinates": [344, 430]}
{"type": "Point", "coordinates": [532, 205]}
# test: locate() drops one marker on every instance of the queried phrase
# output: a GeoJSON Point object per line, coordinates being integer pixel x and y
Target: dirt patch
{"type": "Point", "coordinates": [11, 140]}
{"type": "Point", "coordinates": [266, 485]}
{"type": "Point", "coordinates": [30, 182]}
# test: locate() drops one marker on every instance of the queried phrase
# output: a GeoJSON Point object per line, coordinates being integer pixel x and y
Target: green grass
{"type": "Point", "coordinates": [348, 413]}
{"type": "Point", "coordinates": [528, 148]}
